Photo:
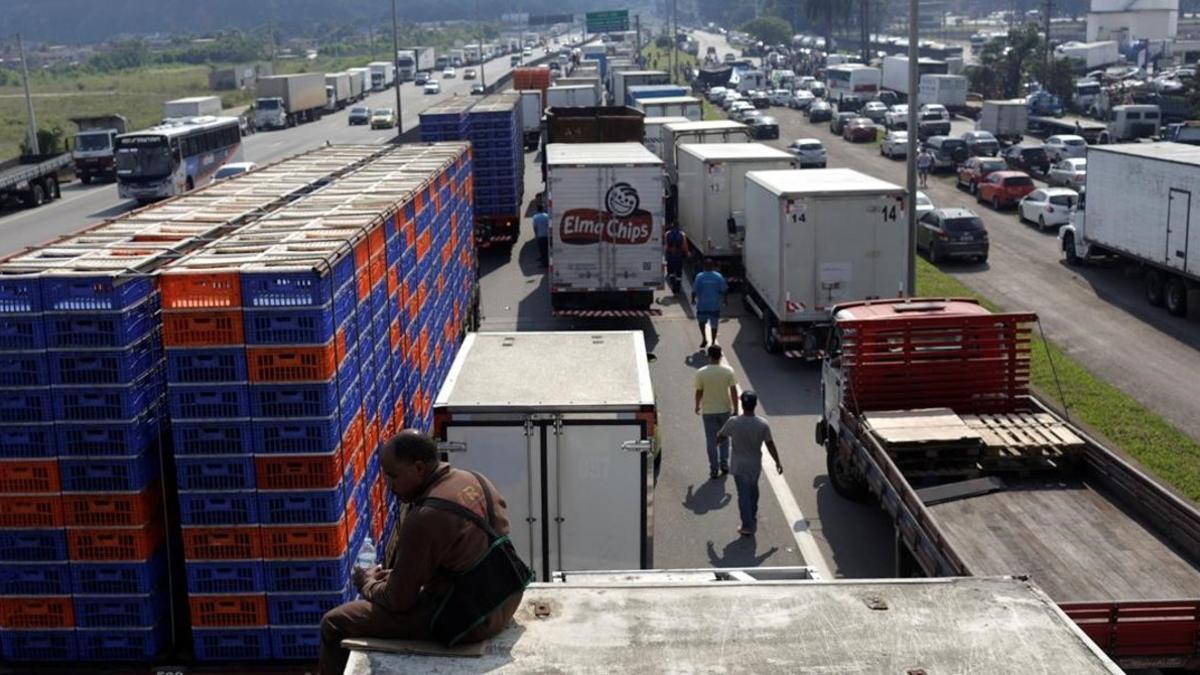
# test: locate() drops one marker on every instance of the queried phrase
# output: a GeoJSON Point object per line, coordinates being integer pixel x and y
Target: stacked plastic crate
{"type": "Point", "coordinates": [499, 161]}
{"type": "Point", "coordinates": [446, 121]}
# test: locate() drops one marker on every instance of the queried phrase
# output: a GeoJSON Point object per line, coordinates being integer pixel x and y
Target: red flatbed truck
{"type": "Point", "coordinates": [927, 410]}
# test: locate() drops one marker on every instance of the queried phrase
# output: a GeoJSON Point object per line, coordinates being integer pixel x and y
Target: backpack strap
{"type": "Point", "coordinates": [463, 512]}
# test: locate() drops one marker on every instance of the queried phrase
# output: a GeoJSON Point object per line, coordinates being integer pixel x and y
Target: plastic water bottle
{"type": "Point", "coordinates": [366, 555]}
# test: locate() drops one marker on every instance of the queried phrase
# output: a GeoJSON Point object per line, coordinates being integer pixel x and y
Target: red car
{"type": "Point", "coordinates": [859, 130]}
{"type": "Point", "coordinates": [1004, 188]}
{"type": "Point", "coordinates": [973, 171]}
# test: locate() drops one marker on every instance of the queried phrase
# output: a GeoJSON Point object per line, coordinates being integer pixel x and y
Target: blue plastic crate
{"type": "Point", "coordinates": [191, 402]}
{"type": "Point", "coordinates": [108, 474]}
{"type": "Point", "coordinates": [102, 330]}
{"type": "Point", "coordinates": [362, 318]}
{"type": "Point", "coordinates": [349, 368]}
{"type": "Point", "coordinates": [108, 403]}
{"type": "Point", "coordinates": [262, 289]}
{"type": "Point", "coordinates": [218, 508]}
{"type": "Point", "coordinates": [21, 331]}
{"type": "Point", "coordinates": [32, 545]}
{"type": "Point", "coordinates": [20, 293]}
{"type": "Point", "coordinates": [26, 406]}
{"type": "Point", "coordinates": [225, 577]}
{"type": "Point", "coordinates": [304, 609]}
{"type": "Point", "coordinates": [108, 439]}
{"type": "Point", "coordinates": [38, 645]}
{"type": "Point", "coordinates": [212, 437]}
{"type": "Point", "coordinates": [307, 576]}
{"type": "Point", "coordinates": [231, 644]}
{"type": "Point", "coordinates": [345, 301]}
{"type": "Point", "coordinates": [301, 507]}
{"type": "Point", "coordinates": [93, 294]}
{"type": "Point", "coordinates": [295, 643]}
{"type": "Point", "coordinates": [294, 400]}
{"type": "Point", "coordinates": [103, 367]}
{"type": "Point", "coordinates": [30, 578]}
{"type": "Point", "coordinates": [120, 577]}
{"type": "Point", "coordinates": [378, 297]}
{"type": "Point", "coordinates": [19, 441]}
{"type": "Point", "coordinates": [393, 248]}
{"type": "Point", "coordinates": [296, 436]}
{"type": "Point", "coordinates": [123, 644]}
{"type": "Point", "coordinates": [121, 611]}
{"type": "Point", "coordinates": [215, 472]}
{"type": "Point", "coordinates": [295, 326]}
{"type": "Point", "coordinates": [24, 369]}
{"type": "Point", "coordinates": [218, 364]}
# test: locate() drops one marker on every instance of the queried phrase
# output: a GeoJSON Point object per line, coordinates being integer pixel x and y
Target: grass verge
{"type": "Point", "coordinates": [1165, 451]}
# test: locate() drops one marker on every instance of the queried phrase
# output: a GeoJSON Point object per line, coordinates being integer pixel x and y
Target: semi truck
{"type": "Point", "coordinates": [531, 117]}
{"type": "Point", "coordinates": [815, 238]}
{"type": "Point", "coordinates": [413, 60]}
{"type": "Point", "coordinates": [93, 149]}
{"type": "Point", "coordinates": [458, 58]}
{"type": "Point", "coordinates": [287, 100]}
{"type": "Point", "coordinates": [33, 180]}
{"type": "Point", "coordinates": [1137, 209]}
{"type": "Point", "coordinates": [606, 206]}
{"type": "Point", "coordinates": [383, 74]}
{"type": "Point", "coordinates": [928, 411]}
{"type": "Point", "coordinates": [544, 441]}
{"type": "Point", "coordinates": [472, 54]}
{"type": "Point", "coordinates": [712, 197]}
{"type": "Point", "coordinates": [193, 106]}
{"type": "Point", "coordinates": [338, 91]}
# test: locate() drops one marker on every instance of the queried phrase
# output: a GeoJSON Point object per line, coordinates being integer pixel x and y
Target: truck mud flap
{"type": "Point", "coordinates": [608, 313]}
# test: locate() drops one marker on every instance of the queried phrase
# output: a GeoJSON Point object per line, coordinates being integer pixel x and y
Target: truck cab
{"type": "Point", "coordinates": [270, 113]}
{"type": "Point", "coordinates": [1044, 104]}
{"type": "Point", "coordinates": [331, 102]}
{"type": "Point", "coordinates": [93, 150]}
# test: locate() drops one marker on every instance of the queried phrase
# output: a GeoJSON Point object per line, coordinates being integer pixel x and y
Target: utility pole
{"type": "Point", "coordinates": [271, 35]}
{"type": "Point", "coordinates": [910, 178]}
{"type": "Point", "coordinates": [34, 148]}
{"type": "Point", "coordinates": [674, 41]}
{"type": "Point", "coordinates": [865, 31]}
{"type": "Point", "coordinates": [396, 80]}
{"type": "Point", "coordinates": [482, 58]}
{"type": "Point", "coordinates": [1046, 9]}
{"type": "Point", "coordinates": [637, 24]}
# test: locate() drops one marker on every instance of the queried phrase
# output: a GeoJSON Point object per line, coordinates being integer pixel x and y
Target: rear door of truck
{"type": "Point", "coordinates": [576, 192]}
{"type": "Point", "coordinates": [632, 251]}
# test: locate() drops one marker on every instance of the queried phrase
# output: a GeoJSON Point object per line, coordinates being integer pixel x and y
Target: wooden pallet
{"type": "Point", "coordinates": [932, 433]}
{"type": "Point", "coordinates": [1016, 435]}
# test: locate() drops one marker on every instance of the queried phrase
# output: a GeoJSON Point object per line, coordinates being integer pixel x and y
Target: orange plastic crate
{"type": "Point", "coordinates": [394, 334]}
{"type": "Point", "coordinates": [423, 244]}
{"type": "Point", "coordinates": [296, 364]}
{"type": "Point", "coordinates": [202, 329]}
{"type": "Point", "coordinates": [373, 430]}
{"type": "Point", "coordinates": [37, 612]}
{"type": "Point", "coordinates": [108, 544]}
{"type": "Point", "coordinates": [393, 279]}
{"type": "Point", "coordinates": [378, 269]}
{"type": "Point", "coordinates": [43, 511]}
{"type": "Point", "coordinates": [29, 476]}
{"type": "Point", "coordinates": [131, 509]}
{"type": "Point", "coordinates": [228, 611]}
{"type": "Point", "coordinates": [298, 472]}
{"type": "Point", "coordinates": [375, 239]}
{"type": "Point", "coordinates": [286, 542]}
{"type": "Point", "coordinates": [222, 543]}
{"type": "Point", "coordinates": [201, 291]}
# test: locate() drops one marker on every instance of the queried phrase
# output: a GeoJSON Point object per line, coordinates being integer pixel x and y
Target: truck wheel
{"type": "Point", "coordinates": [1176, 296]}
{"type": "Point", "coordinates": [191, 185]}
{"type": "Point", "coordinates": [1154, 288]}
{"type": "Point", "coordinates": [1073, 258]}
{"type": "Point", "coordinates": [85, 178]}
{"type": "Point", "coordinates": [37, 196]}
{"type": "Point", "coordinates": [52, 190]}
{"type": "Point", "coordinates": [770, 342]}
{"type": "Point", "coordinates": [844, 477]}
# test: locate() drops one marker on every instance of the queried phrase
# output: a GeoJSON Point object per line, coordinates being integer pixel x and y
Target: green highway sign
{"type": "Point", "coordinates": [608, 22]}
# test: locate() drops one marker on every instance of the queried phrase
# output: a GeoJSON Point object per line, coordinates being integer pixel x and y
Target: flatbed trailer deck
{"type": "Point", "coordinates": [33, 180]}
{"type": "Point", "coordinates": [1044, 125]}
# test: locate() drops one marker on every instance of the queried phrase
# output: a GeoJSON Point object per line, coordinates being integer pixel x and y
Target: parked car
{"type": "Point", "coordinates": [745, 116]}
{"type": "Point", "coordinates": [809, 152]}
{"type": "Point", "coordinates": [433, 87]}
{"type": "Point", "coordinates": [859, 130]}
{"type": "Point", "coordinates": [420, 79]}
{"type": "Point", "coordinates": [739, 108]}
{"type": "Point", "coordinates": [818, 89]}
{"type": "Point", "coordinates": [760, 99]}
{"type": "Point", "coordinates": [1065, 146]}
{"type": "Point", "coordinates": [383, 118]}
{"type": "Point", "coordinates": [819, 111]}
{"type": "Point", "coordinates": [233, 169]}
{"type": "Point", "coordinates": [730, 98]}
{"type": "Point", "coordinates": [932, 124]}
{"type": "Point", "coordinates": [977, 169]}
{"type": "Point", "coordinates": [838, 121]}
{"type": "Point", "coordinates": [849, 104]}
{"type": "Point", "coordinates": [1028, 158]}
{"type": "Point", "coordinates": [448, 74]}
{"type": "Point", "coordinates": [801, 99]}
{"type": "Point", "coordinates": [952, 233]}
{"type": "Point", "coordinates": [1070, 173]}
{"type": "Point", "coordinates": [887, 98]}
{"type": "Point", "coordinates": [1004, 188]}
{"type": "Point", "coordinates": [924, 204]}
{"type": "Point", "coordinates": [780, 97]}
{"type": "Point", "coordinates": [935, 108]}
{"type": "Point", "coordinates": [359, 115]}
{"type": "Point", "coordinates": [895, 144]}
{"type": "Point", "coordinates": [875, 111]}
{"type": "Point", "coordinates": [470, 74]}
{"type": "Point", "coordinates": [763, 128]}
{"type": "Point", "coordinates": [896, 117]}
{"type": "Point", "coordinates": [806, 82]}
{"type": "Point", "coordinates": [478, 89]}
{"type": "Point", "coordinates": [947, 152]}
{"type": "Point", "coordinates": [716, 94]}
{"type": "Point", "coordinates": [1048, 206]}
{"type": "Point", "coordinates": [981, 144]}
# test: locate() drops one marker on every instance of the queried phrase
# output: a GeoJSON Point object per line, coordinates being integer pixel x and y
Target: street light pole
{"type": "Point", "coordinates": [396, 79]}
{"type": "Point", "coordinates": [482, 58]}
{"type": "Point", "coordinates": [910, 179]}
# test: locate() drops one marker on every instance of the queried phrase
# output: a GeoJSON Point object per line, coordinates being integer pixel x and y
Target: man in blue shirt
{"type": "Point", "coordinates": [708, 293]}
{"type": "Point", "coordinates": [677, 251]}
{"type": "Point", "coordinates": [541, 230]}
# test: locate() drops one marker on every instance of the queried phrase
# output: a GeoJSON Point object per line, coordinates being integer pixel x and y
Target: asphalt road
{"type": "Point", "coordinates": [1097, 314]}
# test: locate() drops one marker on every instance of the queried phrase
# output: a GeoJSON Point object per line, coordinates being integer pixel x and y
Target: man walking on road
{"type": "Point", "coordinates": [716, 400]}
{"type": "Point", "coordinates": [541, 231]}
{"type": "Point", "coordinates": [924, 163]}
{"type": "Point", "coordinates": [708, 293]}
{"type": "Point", "coordinates": [676, 250]}
{"type": "Point", "coordinates": [748, 432]}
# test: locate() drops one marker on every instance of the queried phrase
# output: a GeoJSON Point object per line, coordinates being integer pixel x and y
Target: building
{"type": "Point", "coordinates": [237, 77]}
{"type": "Point", "coordinates": [1125, 20]}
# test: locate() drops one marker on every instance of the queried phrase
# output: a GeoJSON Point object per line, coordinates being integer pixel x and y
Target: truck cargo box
{"type": "Point", "coordinates": [194, 106]}
{"type": "Point", "coordinates": [602, 124]}
{"type": "Point", "coordinates": [646, 91]}
{"type": "Point", "coordinates": [670, 106]}
{"type": "Point", "coordinates": [572, 96]}
{"type": "Point", "coordinates": [713, 131]}
{"type": "Point", "coordinates": [653, 135]}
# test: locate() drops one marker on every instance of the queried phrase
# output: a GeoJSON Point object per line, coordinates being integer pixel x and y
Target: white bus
{"type": "Point", "coordinates": [175, 157]}
{"type": "Point", "coordinates": [851, 79]}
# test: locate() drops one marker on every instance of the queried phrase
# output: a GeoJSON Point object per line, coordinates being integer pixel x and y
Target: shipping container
{"type": "Point", "coordinates": [195, 106]}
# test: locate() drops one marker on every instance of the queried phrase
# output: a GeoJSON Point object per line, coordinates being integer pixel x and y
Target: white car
{"type": "Point", "coordinates": [805, 82]}
{"type": "Point", "coordinates": [716, 94]}
{"type": "Point", "coordinates": [745, 115]}
{"type": "Point", "coordinates": [896, 117]}
{"type": "Point", "coordinates": [731, 98]}
{"type": "Point", "coordinates": [448, 74]}
{"type": "Point", "coordinates": [808, 152]}
{"type": "Point", "coordinates": [895, 144]}
{"type": "Point", "coordinates": [1070, 173]}
{"type": "Point", "coordinates": [433, 87]}
{"type": "Point", "coordinates": [779, 97]}
{"type": "Point", "coordinates": [801, 99]}
{"type": "Point", "coordinates": [1065, 146]}
{"type": "Point", "coordinates": [738, 107]}
{"type": "Point", "coordinates": [924, 205]}
{"type": "Point", "coordinates": [233, 169]}
{"type": "Point", "coordinates": [1048, 206]}
{"type": "Point", "coordinates": [935, 108]}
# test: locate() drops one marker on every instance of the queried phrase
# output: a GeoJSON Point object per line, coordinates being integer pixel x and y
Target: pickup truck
{"type": "Point", "coordinates": [32, 180]}
{"type": "Point", "coordinates": [928, 410]}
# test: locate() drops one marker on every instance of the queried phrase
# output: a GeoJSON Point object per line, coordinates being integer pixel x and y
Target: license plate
{"type": "Point", "coordinates": [967, 237]}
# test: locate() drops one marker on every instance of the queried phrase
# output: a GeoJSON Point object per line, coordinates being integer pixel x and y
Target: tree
{"type": "Point", "coordinates": [772, 30]}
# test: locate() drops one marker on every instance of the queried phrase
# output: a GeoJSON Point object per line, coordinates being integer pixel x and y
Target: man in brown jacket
{"type": "Point", "coordinates": [400, 597]}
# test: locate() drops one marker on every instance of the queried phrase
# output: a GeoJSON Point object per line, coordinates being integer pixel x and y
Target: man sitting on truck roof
{"type": "Point", "coordinates": [453, 523]}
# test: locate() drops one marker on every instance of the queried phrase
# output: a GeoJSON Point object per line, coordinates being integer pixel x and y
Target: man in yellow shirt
{"type": "Point", "coordinates": [716, 401]}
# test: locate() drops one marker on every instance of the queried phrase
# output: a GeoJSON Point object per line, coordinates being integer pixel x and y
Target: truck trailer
{"type": "Point", "coordinates": [33, 180]}
{"type": "Point", "coordinates": [572, 96]}
{"type": "Point", "coordinates": [894, 73]}
{"type": "Point", "coordinates": [338, 91]}
{"type": "Point", "coordinates": [531, 117]}
{"type": "Point", "coordinates": [413, 60]}
{"type": "Point", "coordinates": [1137, 209]}
{"type": "Point", "coordinates": [624, 79]}
{"type": "Point", "coordinates": [360, 82]}
{"type": "Point", "coordinates": [688, 107]}
{"type": "Point", "coordinates": [383, 74]}
{"type": "Point", "coordinates": [193, 106]}
{"type": "Point", "coordinates": [947, 90]}
{"type": "Point", "coordinates": [675, 134]}
{"type": "Point", "coordinates": [653, 136]}
{"type": "Point", "coordinates": [287, 100]}
{"type": "Point", "coordinates": [1006, 120]}
{"type": "Point", "coordinates": [815, 238]}
{"type": "Point", "coordinates": [94, 146]}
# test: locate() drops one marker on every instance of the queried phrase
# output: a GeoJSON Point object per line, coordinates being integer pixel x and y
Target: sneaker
{"type": "Point", "coordinates": [724, 469]}
{"type": "Point", "coordinates": [745, 532]}
{"type": "Point", "coordinates": [712, 475]}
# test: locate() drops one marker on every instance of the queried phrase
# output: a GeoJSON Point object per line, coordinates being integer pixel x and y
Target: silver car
{"type": "Point", "coordinates": [895, 144]}
{"type": "Point", "coordinates": [809, 152]}
{"type": "Point", "coordinates": [1070, 173]}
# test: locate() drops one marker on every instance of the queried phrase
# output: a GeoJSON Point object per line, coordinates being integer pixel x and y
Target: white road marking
{"type": "Point", "coordinates": [797, 523]}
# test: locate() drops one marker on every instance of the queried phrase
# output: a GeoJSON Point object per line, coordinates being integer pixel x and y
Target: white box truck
{"type": "Point", "coordinates": [630, 78]}
{"type": "Point", "coordinates": [383, 74]}
{"type": "Point", "coordinates": [531, 116]}
{"type": "Point", "coordinates": [815, 238]}
{"type": "Point", "coordinates": [1007, 120]}
{"type": "Point", "coordinates": [947, 90]}
{"type": "Point", "coordinates": [572, 96]}
{"type": "Point", "coordinates": [1091, 55]}
{"type": "Point", "coordinates": [894, 72]}
{"type": "Point", "coordinates": [573, 450]}
{"type": "Point", "coordinates": [360, 83]}
{"type": "Point", "coordinates": [673, 106]}
{"type": "Point", "coordinates": [712, 196]}
{"type": "Point", "coordinates": [338, 92]}
{"type": "Point", "coordinates": [653, 132]}
{"type": "Point", "coordinates": [413, 60]}
{"type": "Point", "coordinates": [287, 100]}
{"type": "Point", "coordinates": [589, 80]}
{"type": "Point", "coordinates": [458, 58]}
{"type": "Point", "coordinates": [606, 206]}
{"type": "Point", "coordinates": [714, 131]}
{"type": "Point", "coordinates": [1138, 208]}
{"type": "Point", "coordinates": [193, 106]}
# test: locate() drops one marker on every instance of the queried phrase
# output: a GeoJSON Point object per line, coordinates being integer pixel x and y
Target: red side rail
{"type": "Point", "coordinates": [1159, 632]}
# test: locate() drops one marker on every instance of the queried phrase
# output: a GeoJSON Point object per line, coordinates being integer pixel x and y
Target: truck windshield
{"type": "Point", "coordinates": [267, 104]}
{"type": "Point", "coordinates": [92, 142]}
{"type": "Point", "coordinates": [143, 160]}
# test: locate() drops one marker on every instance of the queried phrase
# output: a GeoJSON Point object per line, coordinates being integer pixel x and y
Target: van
{"type": "Point", "coordinates": [947, 152]}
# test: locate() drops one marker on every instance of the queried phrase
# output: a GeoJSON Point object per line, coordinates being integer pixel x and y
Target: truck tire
{"type": "Point", "coordinates": [844, 477]}
{"type": "Point", "coordinates": [770, 342]}
{"type": "Point", "coordinates": [191, 185]}
{"type": "Point", "coordinates": [37, 196]}
{"type": "Point", "coordinates": [85, 178]}
{"type": "Point", "coordinates": [1175, 293]}
{"type": "Point", "coordinates": [1154, 283]}
{"type": "Point", "coordinates": [1073, 258]}
{"type": "Point", "coordinates": [52, 189]}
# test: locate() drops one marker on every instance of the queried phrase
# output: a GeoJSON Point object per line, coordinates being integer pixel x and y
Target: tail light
{"type": "Point", "coordinates": [941, 234]}
{"type": "Point", "coordinates": [1048, 209]}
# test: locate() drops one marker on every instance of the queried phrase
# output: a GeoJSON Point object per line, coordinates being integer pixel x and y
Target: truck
{"type": "Point", "coordinates": [92, 151]}
{"type": "Point", "coordinates": [531, 117]}
{"type": "Point", "coordinates": [383, 74]}
{"type": "Point", "coordinates": [544, 441]}
{"type": "Point", "coordinates": [413, 60]}
{"type": "Point", "coordinates": [1137, 209]}
{"type": "Point", "coordinates": [338, 91]}
{"type": "Point", "coordinates": [894, 73]}
{"type": "Point", "coordinates": [647, 91]}
{"type": "Point", "coordinates": [441, 63]}
{"type": "Point", "coordinates": [652, 139]}
{"type": "Point", "coordinates": [193, 106]}
{"type": "Point", "coordinates": [928, 411]}
{"type": "Point", "coordinates": [623, 79]}
{"type": "Point", "coordinates": [1090, 55]}
{"type": "Point", "coordinates": [471, 54]}
{"type": "Point", "coordinates": [360, 82]}
{"type": "Point", "coordinates": [948, 90]}
{"type": "Point", "coordinates": [586, 80]}
{"type": "Point", "coordinates": [287, 100]}
{"type": "Point", "coordinates": [602, 124]}
{"type": "Point", "coordinates": [606, 205]}
{"type": "Point", "coordinates": [1006, 120]}
{"type": "Point", "coordinates": [676, 134]}
{"type": "Point", "coordinates": [571, 96]}
{"type": "Point", "coordinates": [712, 197]}
{"type": "Point", "coordinates": [673, 106]}
{"type": "Point", "coordinates": [815, 238]}
{"type": "Point", "coordinates": [458, 58]}
{"type": "Point", "coordinates": [33, 180]}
